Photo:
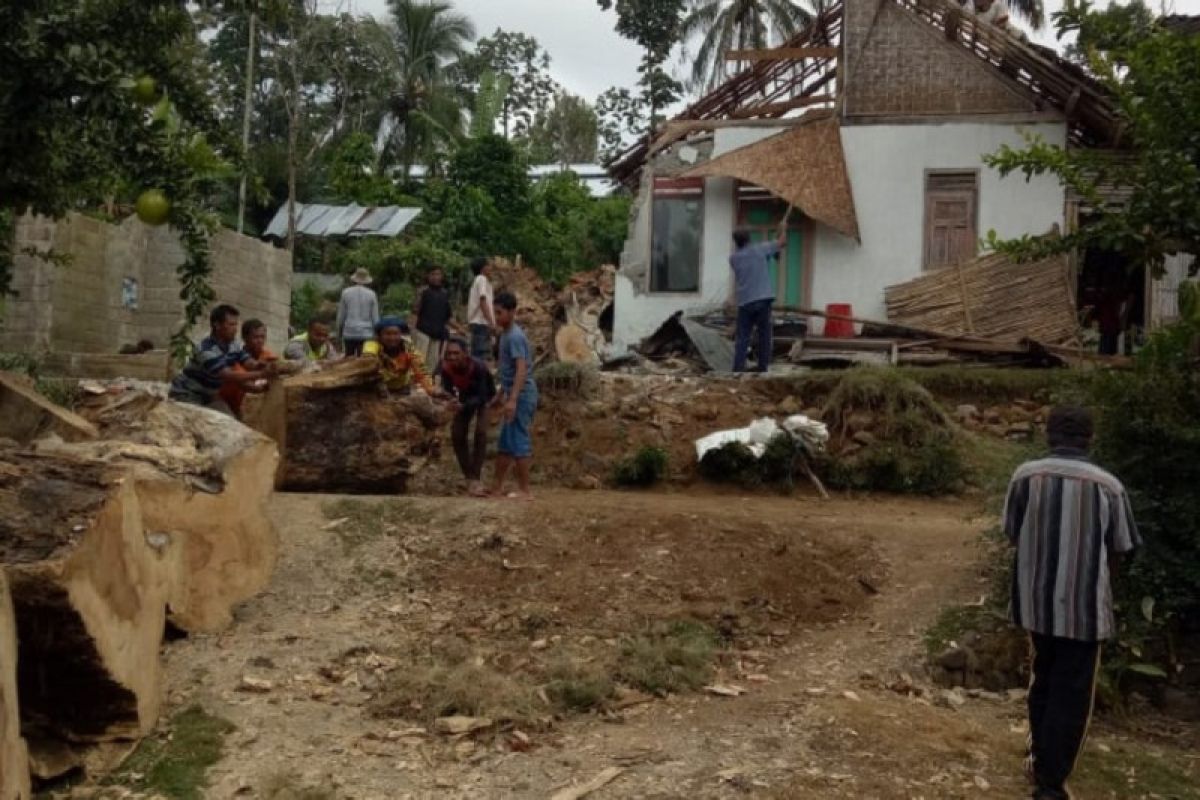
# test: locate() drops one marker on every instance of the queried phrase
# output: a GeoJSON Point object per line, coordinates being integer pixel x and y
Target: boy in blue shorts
{"type": "Point", "coordinates": [518, 398]}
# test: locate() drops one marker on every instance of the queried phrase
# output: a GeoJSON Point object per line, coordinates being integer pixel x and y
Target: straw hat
{"type": "Point", "coordinates": [361, 277]}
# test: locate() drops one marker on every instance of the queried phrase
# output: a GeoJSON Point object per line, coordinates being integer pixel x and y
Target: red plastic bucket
{"type": "Point", "coordinates": [839, 328]}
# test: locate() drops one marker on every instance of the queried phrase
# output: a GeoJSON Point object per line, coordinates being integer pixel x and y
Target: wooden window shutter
{"type": "Point", "coordinates": [951, 218]}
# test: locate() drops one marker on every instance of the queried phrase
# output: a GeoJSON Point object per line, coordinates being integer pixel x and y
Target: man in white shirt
{"type": "Point", "coordinates": [481, 316]}
{"type": "Point", "coordinates": [993, 12]}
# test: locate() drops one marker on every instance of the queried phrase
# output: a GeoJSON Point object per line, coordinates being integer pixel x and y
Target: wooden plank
{"type": "Point", "coordinates": [767, 109]}
{"type": "Point", "coordinates": [782, 54]}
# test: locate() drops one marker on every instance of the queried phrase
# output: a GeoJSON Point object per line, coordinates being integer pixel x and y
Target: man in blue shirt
{"type": "Point", "coordinates": [212, 364]}
{"type": "Point", "coordinates": [755, 295]}
{"type": "Point", "coordinates": [518, 398]}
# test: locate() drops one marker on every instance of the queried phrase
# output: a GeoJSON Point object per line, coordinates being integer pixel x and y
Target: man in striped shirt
{"type": "Point", "coordinates": [1069, 520]}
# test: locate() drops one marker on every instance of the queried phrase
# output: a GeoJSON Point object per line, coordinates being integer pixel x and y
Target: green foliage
{"type": "Point", "coordinates": [353, 174]}
{"type": "Point", "coordinates": [489, 102]}
{"type": "Point", "coordinates": [398, 300]}
{"type": "Point", "coordinates": [75, 134]}
{"type": "Point", "coordinates": [740, 25]}
{"type": "Point", "coordinates": [525, 65]}
{"type": "Point", "coordinates": [306, 302]}
{"type": "Point", "coordinates": [655, 26]}
{"type": "Point", "coordinates": [567, 133]}
{"type": "Point", "coordinates": [569, 230]}
{"type": "Point", "coordinates": [736, 464]}
{"type": "Point", "coordinates": [669, 658]}
{"type": "Point", "coordinates": [1154, 74]}
{"type": "Point", "coordinates": [175, 763]}
{"type": "Point", "coordinates": [578, 687]}
{"type": "Point", "coordinates": [1148, 433]}
{"type": "Point", "coordinates": [643, 469]}
{"type": "Point", "coordinates": [621, 116]}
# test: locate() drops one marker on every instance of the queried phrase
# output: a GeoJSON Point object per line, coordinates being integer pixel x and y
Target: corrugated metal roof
{"type": "Point", "coordinates": [314, 219]}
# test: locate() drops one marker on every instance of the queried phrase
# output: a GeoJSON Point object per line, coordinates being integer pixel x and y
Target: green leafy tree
{"type": "Point", "coordinates": [422, 44]}
{"type": "Point", "coordinates": [724, 25]}
{"type": "Point", "coordinates": [568, 133]}
{"type": "Point", "coordinates": [490, 99]}
{"type": "Point", "coordinates": [1155, 80]}
{"type": "Point", "coordinates": [526, 64]}
{"type": "Point", "coordinates": [619, 113]}
{"type": "Point", "coordinates": [101, 101]}
{"type": "Point", "coordinates": [655, 26]}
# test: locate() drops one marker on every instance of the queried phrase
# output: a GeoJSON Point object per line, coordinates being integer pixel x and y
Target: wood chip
{"type": "Point", "coordinates": [584, 789]}
{"type": "Point", "coordinates": [458, 725]}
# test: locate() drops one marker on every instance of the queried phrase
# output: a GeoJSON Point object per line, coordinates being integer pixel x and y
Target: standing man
{"type": "Point", "coordinates": [469, 383]}
{"type": "Point", "coordinates": [313, 345]}
{"type": "Point", "coordinates": [754, 294]}
{"type": "Point", "coordinates": [481, 315]}
{"type": "Point", "coordinates": [214, 362]}
{"type": "Point", "coordinates": [1069, 521]}
{"type": "Point", "coordinates": [518, 398]}
{"type": "Point", "coordinates": [433, 313]}
{"type": "Point", "coordinates": [358, 311]}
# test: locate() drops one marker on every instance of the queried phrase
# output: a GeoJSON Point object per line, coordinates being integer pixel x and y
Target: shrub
{"type": "Point", "coordinates": [1148, 434]}
{"type": "Point", "coordinates": [735, 463]}
{"type": "Point", "coordinates": [646, 468]}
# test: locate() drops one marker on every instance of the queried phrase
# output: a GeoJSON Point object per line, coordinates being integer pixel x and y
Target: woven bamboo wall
{"type": "Point", "coordinates": [991, 297]}
{"type": "Point", "coordinates": [901, 66]}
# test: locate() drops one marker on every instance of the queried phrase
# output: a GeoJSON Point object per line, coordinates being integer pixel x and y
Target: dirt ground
{"type": "Point", "coordinates": [822, 605]}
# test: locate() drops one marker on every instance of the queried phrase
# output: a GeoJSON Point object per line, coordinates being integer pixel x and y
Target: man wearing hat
{"type": "Point", "coordinates": [358, 313]}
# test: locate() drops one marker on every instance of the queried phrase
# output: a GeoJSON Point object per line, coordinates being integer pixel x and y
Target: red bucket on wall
{"type": "Point", "coordinates": [839, 328]}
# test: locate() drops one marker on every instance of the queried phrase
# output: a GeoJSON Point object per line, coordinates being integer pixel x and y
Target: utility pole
{"type": "Point", "coordinates": [246, 113]}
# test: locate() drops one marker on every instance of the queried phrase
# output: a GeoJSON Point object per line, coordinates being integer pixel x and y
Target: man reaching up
{"type": "Point", "coordinates": [751, 264]}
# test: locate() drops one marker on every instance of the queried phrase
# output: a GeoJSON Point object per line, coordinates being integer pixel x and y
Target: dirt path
{"type": "Point", "coordinates": [817, 718]}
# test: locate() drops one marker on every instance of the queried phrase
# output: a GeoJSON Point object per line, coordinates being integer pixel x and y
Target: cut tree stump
{"type": "Point", "coordinates": [27, 415]}
{"type": "Point", "coordinates": [343, 435]}
{"type": "Point", "coordinates": [14, 758]}
{"type": "Point", "coordinates": [203, 481]}
{"type": "Point", "coordinates": [89, 594]}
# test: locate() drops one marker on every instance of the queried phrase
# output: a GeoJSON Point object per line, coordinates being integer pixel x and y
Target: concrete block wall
{"type": "Point", "coordinates": [76, 306]}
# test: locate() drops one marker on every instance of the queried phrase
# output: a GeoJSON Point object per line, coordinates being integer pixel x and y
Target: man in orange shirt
{"type": "Point", "coordinates": [254, 342]}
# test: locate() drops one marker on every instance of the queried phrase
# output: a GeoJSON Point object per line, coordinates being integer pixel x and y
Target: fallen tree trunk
{"type": "Point", "coordinates": [14, 759]}
{"type": "Point", "coordinates": [203, 482]}
{"type": "Point", "coordinates": [342, 434]}
{"type": "Point", "coordinates": [89, 594]}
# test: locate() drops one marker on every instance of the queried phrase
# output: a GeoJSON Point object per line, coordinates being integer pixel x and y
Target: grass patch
{"type": "Point", "coordinates": [643, 469]}
{"type": "Point", "coordinates": [424, 692]}
{"type": "Point", "coordinates": [954, 385]}
{"type": "Point", "coordinates": [670, 658]}
{"type": "Point", "coordinates": [1129, 772]}
{"type": "Point", "coordinates": [176, 764]}
{"type": "Point", "coordinates": [952, 624]}
{"type": "Point", "coordinates": [578, 687]}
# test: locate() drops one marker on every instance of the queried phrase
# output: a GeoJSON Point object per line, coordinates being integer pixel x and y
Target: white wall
{"type": "Point", "coordinates": [637, 312]}
{"type": "Point", "coordinates": [887, 165]}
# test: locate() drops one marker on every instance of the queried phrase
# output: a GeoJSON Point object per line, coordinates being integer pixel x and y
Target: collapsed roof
{"type": "Point", "coordinates": [771, 89]}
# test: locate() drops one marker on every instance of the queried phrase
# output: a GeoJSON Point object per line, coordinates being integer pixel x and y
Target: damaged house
{"type": "Point", "coordinates": [872, 123]}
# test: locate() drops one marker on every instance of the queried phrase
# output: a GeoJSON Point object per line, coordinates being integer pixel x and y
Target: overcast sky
{"type": "Point", "coordinates": [587, 56]}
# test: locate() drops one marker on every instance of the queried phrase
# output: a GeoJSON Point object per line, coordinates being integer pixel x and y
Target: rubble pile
{"type": "Point", "coordinates": [574, 324]}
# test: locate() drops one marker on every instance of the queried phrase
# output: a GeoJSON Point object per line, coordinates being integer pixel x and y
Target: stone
{"type": "Point", "coordinates": [954, 658]}
{"type": "Point", "coordinates": [1019, 430]}
{"type": "Point", "coordinates": [864, 438]}
{"type": "Point", "coordinates": [596, 410]}
{"type": "Point", "coordinates": [589, 483]}
{"type": "Point", "coordinates": [992, 416]}
{"type": "Point", "coordinates": [966, 413]}
{"type": "Point", "coordinates": [789, 406]}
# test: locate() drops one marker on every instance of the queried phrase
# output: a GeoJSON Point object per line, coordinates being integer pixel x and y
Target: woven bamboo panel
{"type": "Point", "coordinates": [991, 297]}
{"type": "Point", "coordinates": [804, 165]}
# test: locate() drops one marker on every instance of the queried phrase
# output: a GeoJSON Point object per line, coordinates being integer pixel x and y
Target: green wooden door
{"type": "Point", "coordinates": [789, 286]}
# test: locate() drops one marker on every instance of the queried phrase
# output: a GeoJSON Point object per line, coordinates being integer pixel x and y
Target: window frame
{"type": "Point", "coordinates": [926, 230]}
{"type": "Point", "coordinates": [677, 188]}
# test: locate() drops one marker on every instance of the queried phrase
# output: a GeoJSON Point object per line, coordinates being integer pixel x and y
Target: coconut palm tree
{"type": "Point", "coordinates": [420, 42]}
{"type": "Point", "coordinates": [738, 25]}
